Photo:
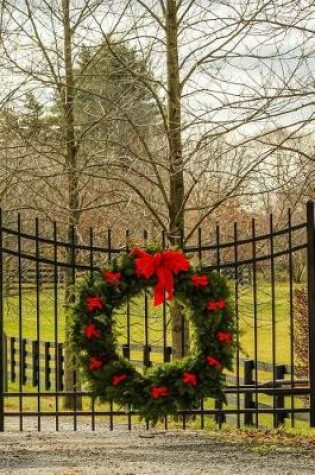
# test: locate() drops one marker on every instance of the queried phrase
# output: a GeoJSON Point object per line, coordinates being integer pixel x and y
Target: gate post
{"type": "Point", "coordinates": [311, 304]}
{"type": "Point", "coordinates": [2, 363]}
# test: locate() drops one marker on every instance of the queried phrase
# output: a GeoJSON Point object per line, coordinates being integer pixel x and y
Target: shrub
{"type": "Point", "coordinates": [301, 332]}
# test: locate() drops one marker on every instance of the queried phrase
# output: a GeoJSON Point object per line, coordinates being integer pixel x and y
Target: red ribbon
{"type": "Point", "coordinates": [159, 391]}
{"type": "Point", "coordinates": [112, 277]}
{"type": "Point", "coordinates": [189, 378]}
{"type": "Point", "coordinates": [163, 265]}
{"type": "Point", "coordinates": [95, 363]}
{"type": "Point", "coordinates": [91, 331]}
{"type": "Point", "coordinates": [94, 303]}
{"type": "Point", "coordinates": [216, 305]}
{"type": "Point", "coordinates": [225, 337]}
{"type": "Point", "coordinates": [117, 379]}
{"type": "Point", "coordinates": [214, 362]}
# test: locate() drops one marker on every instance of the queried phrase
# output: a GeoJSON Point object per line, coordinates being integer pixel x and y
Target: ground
{"type": "Point", "coordinates": [154, 453]}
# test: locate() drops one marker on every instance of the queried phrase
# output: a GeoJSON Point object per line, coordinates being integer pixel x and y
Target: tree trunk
{"type": "Point", "coordinates": [180, 330]}
{"type": "Point", "coordinates": [71, 378]}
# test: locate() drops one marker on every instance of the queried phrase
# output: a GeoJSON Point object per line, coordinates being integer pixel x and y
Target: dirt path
{"type": "Point", "coordinates": [140, 453]}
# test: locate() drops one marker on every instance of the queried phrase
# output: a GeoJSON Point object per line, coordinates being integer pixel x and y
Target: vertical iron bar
{"type": "Point", "coordinates": [146, 309]}
{"type": "Point", "coordinates": [273, 317]}
{"type": "Point", "coordinates": [38, 321]}
{"type": "Point", "coordinates": [167, 351]}
{"type": "Point", "coordinates": [109, 244]}
{"type": "Point", "coordinates": [58, 364]}
{"type": "Point", "coordinates": [236, 293]}
{"type": "Point", "coordinates": [185, 333]}
{"type": "Point", "coordinates": [5, 363]}
{"type": "Point", "coordinates": [128, 325]}
{"type": "Point", "coordinates": [91, 248]}
{"type": "Point", "coordinates": [20, 325]}
{"type": "Point", "coordinates": [199, 246]}
{"type": "Point", "coordinates": [218, 247]}
{"type": "Point", "coordinates": [73, 276]}
{"type": "Point", "coordinates": [202, 417]}
{"type": "Point", "coordinates": [147, 348]}
{"type": "Point", "coordinates": [2, 388]}
{"type": "Point", "coordinates": [111, 407]}
{"type": "Point", "coordinates": [218, 263]}
{"type": "Point", "coordinates": [128, 311]}
{"type": "Point", "coordinates": [255, 315]}
{"type": "Point", "coordinates": [311, 305]}
{"type": "Point", "coordinates": [13, 358]}
{"type": "Point", "coordinates": [185, 329]}
{"type": "Point", "coordinates": [292, 340]}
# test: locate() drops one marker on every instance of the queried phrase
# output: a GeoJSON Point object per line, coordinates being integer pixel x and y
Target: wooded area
{"type": "Point", "coordinates": [113, 113]}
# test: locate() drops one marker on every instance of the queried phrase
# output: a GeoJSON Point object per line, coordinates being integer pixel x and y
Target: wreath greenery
{"type": "Point", "coordinates": [168, 387]}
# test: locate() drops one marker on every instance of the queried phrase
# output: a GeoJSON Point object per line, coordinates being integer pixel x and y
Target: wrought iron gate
{"type": "Point", "coordinates": [266, 387]}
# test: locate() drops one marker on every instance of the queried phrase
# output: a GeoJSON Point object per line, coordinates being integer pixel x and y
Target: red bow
{"type": "Point", "coordinates": [225, 337]}
{"type": "Point", "coordinates": [214, 362]}
{"type": "Point", "coordinates": [163, 265]}
{"type": "Point", "coordinates": [112, 277]}
{"type": "Point", "coordinates": [91, 331]}
{"type": "Point", "coordinates": [199, 280]}
{"type": "Point", "coordinates": [159, 391]}
{"type": "Point", "coordinates": [119, 378]}
{"type": "Point", "coordinates": [95, 363]}
{"type": "Point", "coordinates": [218, 305]}
{"type": "Point", "coordinates": [190, 378]}
{"type": "Point", "coordinates": [94, 303]}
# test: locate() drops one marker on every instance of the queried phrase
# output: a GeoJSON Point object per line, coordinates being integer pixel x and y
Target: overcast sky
{"type": "Point", "coordinates": [243, 62]}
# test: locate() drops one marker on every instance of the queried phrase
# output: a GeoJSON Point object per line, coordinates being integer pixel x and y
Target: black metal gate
{"type": "Point", "coordinates": [271, 384]}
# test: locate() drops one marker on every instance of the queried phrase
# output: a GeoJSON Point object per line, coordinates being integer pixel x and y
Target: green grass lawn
{"type": "Point", "coordinates": [265, 316]}
{"type": "Point", "coordinates": [52, 316]}
{"type": "Point", "coordinates": [51, 312]}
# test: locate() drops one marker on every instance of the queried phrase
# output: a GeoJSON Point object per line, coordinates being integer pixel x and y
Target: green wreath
{"type": "Point", "coordinates": [168, 387]}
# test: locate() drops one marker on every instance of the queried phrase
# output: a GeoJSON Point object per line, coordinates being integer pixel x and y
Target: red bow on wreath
{"type": "Point", "coordinates": [162, 265]}
{"type": "Point", "coordinates": [159, 391]}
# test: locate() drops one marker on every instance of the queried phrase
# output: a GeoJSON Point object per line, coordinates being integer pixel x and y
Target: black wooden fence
{"type": "Point", "coordinates": [48, 359]}
{"type": "Point", "coordinates": [261, 267]}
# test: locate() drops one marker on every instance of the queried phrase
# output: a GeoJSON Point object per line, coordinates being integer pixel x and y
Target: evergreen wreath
{"type": "Point", "coordinates": [168, 387]}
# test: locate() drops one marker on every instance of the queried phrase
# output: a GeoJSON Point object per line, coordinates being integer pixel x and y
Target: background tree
{"type": "Point", "coordinates": [227, 74]}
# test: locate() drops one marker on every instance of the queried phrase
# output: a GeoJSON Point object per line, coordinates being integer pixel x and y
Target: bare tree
{"type": "Point", "coordinates": [228, 74]}
{"type": "Point", "coordinates": [38, 50]}
{"type": "Point", "coordinates": [223, 78]}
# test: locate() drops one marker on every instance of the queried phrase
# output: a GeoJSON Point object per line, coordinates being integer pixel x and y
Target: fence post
{"type": "Point", "coordinates": [249, 365]}
{"type": "Point", "coordinates": [280, 403]}
{"type": "Point", "coordinates": [59, 372]}
{"type": "Point", "coordinates": [126, 351]}
{"type": "Point", "coordinates": [311, 304]}
{"type": "Point", "coordinates": [5, 363]}
{"type": "Point", "coordinates": [35, 363]}
{"type": "Point", "coordinates": [1, 332]}
{"type": "Point", "coordinates": [12, 359]}
{"type": "Point", "coordinates": [146, 356]}
{"type": "Point", "coordinates": [167, 354]}
{"type": "Point", "coordinates": [219, 416]}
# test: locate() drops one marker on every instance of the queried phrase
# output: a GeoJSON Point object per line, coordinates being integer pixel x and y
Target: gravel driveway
{"type": "Point", "coordinates": [131, 453]}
